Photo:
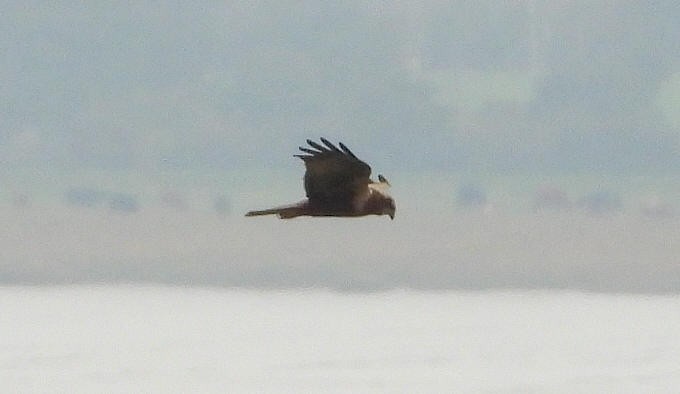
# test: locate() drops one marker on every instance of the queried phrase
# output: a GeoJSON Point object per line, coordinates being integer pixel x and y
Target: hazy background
{"type": "Point", "coordinates": [530, 144]}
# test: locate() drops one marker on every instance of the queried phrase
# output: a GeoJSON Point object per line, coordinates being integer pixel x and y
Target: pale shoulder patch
{"type": "Point", "coordinates": [381, 187]}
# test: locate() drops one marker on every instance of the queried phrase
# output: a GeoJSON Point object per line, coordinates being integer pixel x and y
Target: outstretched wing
{"type": "Point", "coordinates": [334, 176]}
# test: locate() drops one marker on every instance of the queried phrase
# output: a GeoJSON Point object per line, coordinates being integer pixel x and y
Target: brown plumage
{"type": "Point", "coordinates": [337, 183]}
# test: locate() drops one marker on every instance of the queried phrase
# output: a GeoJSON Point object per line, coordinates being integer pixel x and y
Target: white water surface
{"type": "Point", "coordinates": [123, 339]}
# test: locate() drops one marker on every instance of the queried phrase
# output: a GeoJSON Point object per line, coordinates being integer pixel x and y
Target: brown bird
{"type": "Point", "coordinates": [337, 183]}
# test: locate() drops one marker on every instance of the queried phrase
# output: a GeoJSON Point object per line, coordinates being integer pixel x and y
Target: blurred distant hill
{"type": "Point", "coordinates": [556, 86]}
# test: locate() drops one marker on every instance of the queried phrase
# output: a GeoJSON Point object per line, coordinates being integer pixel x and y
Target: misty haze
{"type": "Point", "coordinates": [533, 150]}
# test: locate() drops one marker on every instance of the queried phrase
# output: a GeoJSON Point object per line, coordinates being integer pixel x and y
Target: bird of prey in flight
{"type": "Point", "coordinates": [337, 183]}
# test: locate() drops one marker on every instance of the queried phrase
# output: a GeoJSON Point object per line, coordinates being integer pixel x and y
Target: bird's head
{"type": "Point", "coordinates": [386, 205]}
{"type": "Point", "coordinates": [389, 208]}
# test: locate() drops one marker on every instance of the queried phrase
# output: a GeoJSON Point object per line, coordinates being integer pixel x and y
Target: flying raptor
{"type": "Point", "coordinates": [337, 183]}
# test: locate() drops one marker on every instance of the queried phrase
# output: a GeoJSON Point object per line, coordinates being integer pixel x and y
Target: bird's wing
{"type": "Point", "coordinates": [334, 175]}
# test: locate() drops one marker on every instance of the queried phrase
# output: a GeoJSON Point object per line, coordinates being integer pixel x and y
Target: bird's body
{"type": "Point", "coordinates": [337, 183]}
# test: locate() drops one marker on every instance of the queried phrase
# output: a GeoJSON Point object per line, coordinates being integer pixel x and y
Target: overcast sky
{"type": "Point", "coordinates": [126, 127]}
{"type": "Point", "coordinates": [446, 85]}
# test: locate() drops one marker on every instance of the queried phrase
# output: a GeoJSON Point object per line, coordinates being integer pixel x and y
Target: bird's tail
{"type": "Point", "coordinates": [284, 212]}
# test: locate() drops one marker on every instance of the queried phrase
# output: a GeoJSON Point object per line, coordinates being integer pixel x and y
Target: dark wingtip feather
{"type": "Point", "coordinates": [310, 151]}
{"type": "Point", "coordinates": [346, 150]}
{"type": "Point", "coordinates": [328, 148]}
{"type": "Point", "coordinates": [317, 146]}
{"type": "Point", "coordinates": [330, 145]}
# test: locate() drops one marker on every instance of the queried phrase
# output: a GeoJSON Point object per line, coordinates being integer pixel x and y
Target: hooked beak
{"type": "Point", "coordinates": [391, 213]}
